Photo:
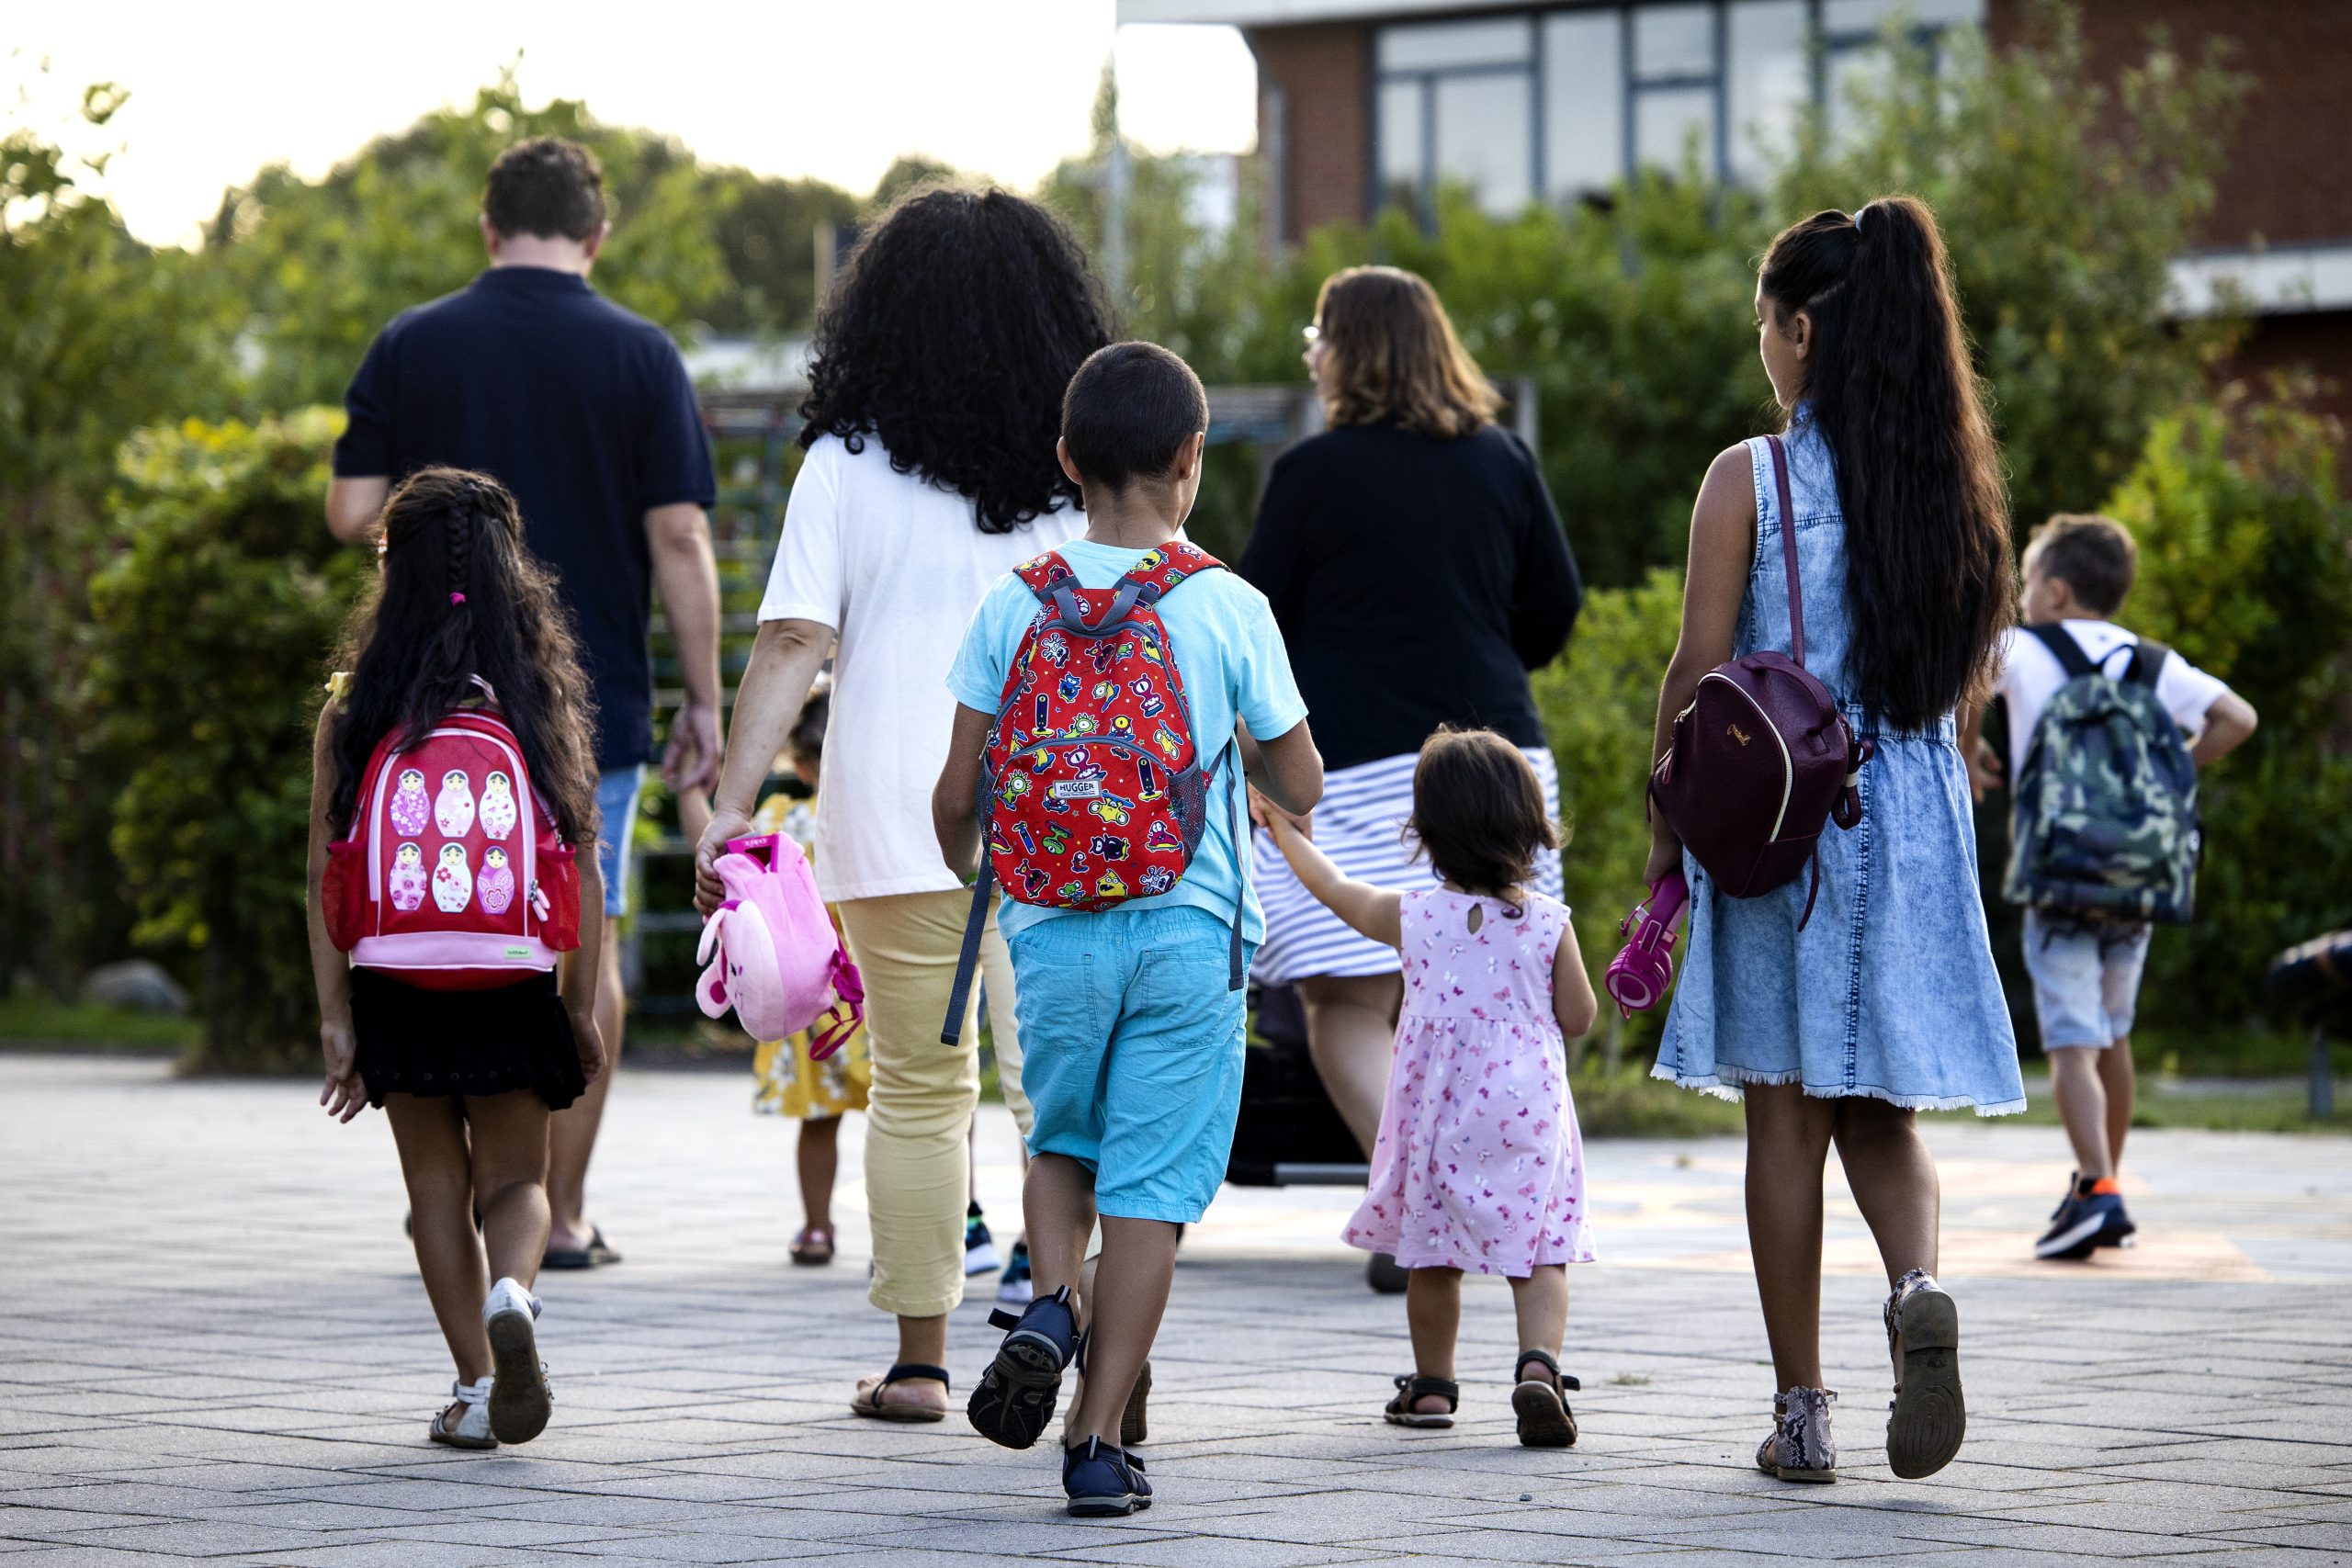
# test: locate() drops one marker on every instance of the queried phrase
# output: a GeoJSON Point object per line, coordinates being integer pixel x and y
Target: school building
{"type": "Point", "coordinates": [1362, 103]}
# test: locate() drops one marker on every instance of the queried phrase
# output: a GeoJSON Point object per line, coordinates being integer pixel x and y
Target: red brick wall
{"type": "Point", "coordinates": [2289, 174]}
{"type": "Point", "coordinates": [1323, 72]}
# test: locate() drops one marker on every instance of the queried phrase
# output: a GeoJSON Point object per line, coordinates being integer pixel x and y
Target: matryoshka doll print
{"type": "Point", "coordinates": [410, 809]}
{"type": "Point", "coordinates": [406, 883]}
{"type": "Point", "coordinates": [453, 880]}
{"type": "Point", "coordinates": [495, 886]}
{"type": "Point", "coordinates": [498, 813]}
{"type": "Point", "coordinates": [452, 809]}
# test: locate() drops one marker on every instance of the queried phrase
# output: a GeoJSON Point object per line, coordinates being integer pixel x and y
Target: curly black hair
{"type": "Point", "coordinates": [950, 336]}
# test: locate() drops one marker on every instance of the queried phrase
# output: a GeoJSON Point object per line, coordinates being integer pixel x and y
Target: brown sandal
{"type": "Point", "coordinates": [1541, 1403]}
{"type": "Point", "coordinates": [869, 1400]}
{"type": "Point", "coordinates": [813, 1247]}
{"type": "Point", "coordinates": [1411, 1390]}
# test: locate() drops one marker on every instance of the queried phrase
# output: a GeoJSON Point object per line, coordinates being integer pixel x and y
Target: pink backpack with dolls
{"type": "Point", "coordinates": [773, 953]}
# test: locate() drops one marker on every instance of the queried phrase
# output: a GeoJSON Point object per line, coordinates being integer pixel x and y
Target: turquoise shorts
{"type": "Point", "coordinates": [1131, 1053]}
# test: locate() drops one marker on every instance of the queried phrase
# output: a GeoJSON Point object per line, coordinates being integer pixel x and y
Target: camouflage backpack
{"type": "Point", "coordinates": [2107, 796]}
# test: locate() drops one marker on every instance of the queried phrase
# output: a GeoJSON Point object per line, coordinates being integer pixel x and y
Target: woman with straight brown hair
{"type": "Point", "coordinates": [1417, 569]}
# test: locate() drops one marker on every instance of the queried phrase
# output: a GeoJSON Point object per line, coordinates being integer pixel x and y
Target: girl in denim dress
{"type": "Point", "coordinates": [1839, 1029]}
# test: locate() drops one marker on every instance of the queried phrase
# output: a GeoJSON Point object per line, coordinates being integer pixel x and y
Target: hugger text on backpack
{"type": "Point", "coordinates": [1092, 790]}
{"type": "Point", "coordinates": [2106, 824]}
{"type": "Point", "coordinates": [453, 875]}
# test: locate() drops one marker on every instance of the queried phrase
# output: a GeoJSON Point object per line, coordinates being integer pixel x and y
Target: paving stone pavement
{"type": "Point", "coordinates": [213, 1345]}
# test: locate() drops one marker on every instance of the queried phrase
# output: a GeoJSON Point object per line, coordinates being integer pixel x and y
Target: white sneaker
{"type": "Point", "coordinates": [519, 1400]}
{"type": "Point", "coordinates": [472, 1427]}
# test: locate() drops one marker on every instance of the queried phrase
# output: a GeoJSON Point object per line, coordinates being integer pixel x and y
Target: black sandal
{"type": "Point", "coordinates": [1411, 1390]}
{"type": "Point", "coordinates": [1541, 1403]}
{"type": "Point", "coordinates": [869, 1401]}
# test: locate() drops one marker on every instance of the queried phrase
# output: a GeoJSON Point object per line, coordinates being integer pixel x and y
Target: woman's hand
{"type": "Point", "coordinates": [588, 1039]}
{"type": "Point", "coordinates": [724, 825]}
{"type": "Point", "coordinates": [343, 1094]}
{"type": "Point", "coordinates": [1666, 855]}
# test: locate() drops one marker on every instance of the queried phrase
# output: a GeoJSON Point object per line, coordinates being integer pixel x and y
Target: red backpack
{"type": "Point", "coordinates": [1092, 791]}
{"type": "Point", "coordinates": [454, 876]}
{"type": "Point", "coordinates": [1762, 761]}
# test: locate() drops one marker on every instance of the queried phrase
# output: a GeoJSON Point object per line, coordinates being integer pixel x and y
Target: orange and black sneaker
{"type": "Point", "coordinates": [2090, 1216]}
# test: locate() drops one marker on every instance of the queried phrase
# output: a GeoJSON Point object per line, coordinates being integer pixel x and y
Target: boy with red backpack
{"type": "Point", "coordinates": [1096, 770]}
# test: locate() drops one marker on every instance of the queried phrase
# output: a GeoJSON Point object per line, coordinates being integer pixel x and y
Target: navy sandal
{"type": "Point", "coordinates": [1102, 1482]}
{"type": "Point", "coordinates": [1541, 1403]}
{"type": "Point", "coordinates": [1015, 1399]}
{"type": "Point", "coordinates": [869, 1401]}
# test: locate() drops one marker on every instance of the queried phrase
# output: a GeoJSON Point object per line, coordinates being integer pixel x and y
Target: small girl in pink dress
{"type": "Point", "coordinates": [1478, 1166]}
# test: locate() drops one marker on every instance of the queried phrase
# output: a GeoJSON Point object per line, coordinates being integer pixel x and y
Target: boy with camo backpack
{"type": "Point", "coordinates": [2106, 733]}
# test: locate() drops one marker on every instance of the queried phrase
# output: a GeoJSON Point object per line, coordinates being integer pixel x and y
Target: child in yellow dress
{"type": "Point", "coordinates": [786, 1081]}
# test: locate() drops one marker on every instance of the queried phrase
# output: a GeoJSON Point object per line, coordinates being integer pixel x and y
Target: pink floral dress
{"type": "Point", "coordinates": [1478, 1166]}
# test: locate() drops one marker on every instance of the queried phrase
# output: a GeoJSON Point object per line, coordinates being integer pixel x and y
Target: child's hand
{"type": "Point", "coordinates": [343, 1094]}
{"type": "Point", "coordinates": [1985, 773]}
{"type": "Point", "coordinates": [1274, 819]}
{"type": "Point", "coordinates": [589, 1041]}
{"type": "Point", "coordinates": [1665, 856]}
{"type": "Point", "coordinates": [724, 825]}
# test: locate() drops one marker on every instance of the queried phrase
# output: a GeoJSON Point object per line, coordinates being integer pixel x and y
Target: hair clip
{"type": "Point", "coordinates": [457, 598]}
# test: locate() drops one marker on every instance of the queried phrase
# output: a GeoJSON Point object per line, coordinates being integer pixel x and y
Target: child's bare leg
{"type": "Point", "coordinates": [2077, 1082]}
{"type": "Point", "coordinates": [819, 1156]}
{"type": "Point", "coordinates": [430, 1134]}
{"type": "Point", "coordinates": [1540, 1302]}
{"type": "Point", "coordinates": [1894, 1180]}
{"type": "Point", "coordinates": [1138, 1264]}
{"type": "Point", "coordinates": [1433, 1313]}
{"type": "Point", "coordinates": [1057, 1207]}
{"type": "Point", "coordinates": [510, 1164]}
{"type": "Point", "coordinates": [2116, 1075]}
{"type": "Point", "coordinates": [1788, 1143]}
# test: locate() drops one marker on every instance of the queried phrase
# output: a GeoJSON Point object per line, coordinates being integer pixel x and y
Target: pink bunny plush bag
{"type": "Point", "coordinates": [772, 951]}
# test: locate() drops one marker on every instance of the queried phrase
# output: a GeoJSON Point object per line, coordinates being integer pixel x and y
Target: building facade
{"type": "Point", "coordinates": [1366, 103]}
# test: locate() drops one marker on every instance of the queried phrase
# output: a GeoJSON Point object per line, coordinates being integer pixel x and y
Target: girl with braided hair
{"type": "Point", "coordinates": [462, 616]}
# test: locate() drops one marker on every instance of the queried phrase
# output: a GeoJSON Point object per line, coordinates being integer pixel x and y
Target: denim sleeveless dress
{"type": "Point", "coordinates": [1890, 991]}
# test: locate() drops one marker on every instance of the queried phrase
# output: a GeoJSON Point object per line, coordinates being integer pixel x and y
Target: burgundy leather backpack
{"type": "Point", "coordinates": [1762, 761]}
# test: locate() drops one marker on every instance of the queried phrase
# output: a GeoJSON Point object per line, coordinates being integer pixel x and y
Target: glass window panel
{"type": "Point", "coordinates": [1484, 138]}
{"type": "Point", "coordinates": [1399, 133]}
{"type": "Point", "coordinates": [1437, 46]}
{"type": "Point", "coordinates": [1770, 82]}
{"type": "Point", "coordinates": [1584, 102]}
{"type": "Point", "coordinates": [1674, 41]}
{"type": "Point", "coordinates": [1665, 119]}
{"type": "Point", "coordinates": [1869, 16]}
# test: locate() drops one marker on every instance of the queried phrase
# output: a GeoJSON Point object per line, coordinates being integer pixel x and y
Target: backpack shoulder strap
{"type": "Point", "coordinates": [1789, 546]}
{"type": "Point", "coordinates": [2054, 636]}
{"type": "Point", "coordinates": [2147, 663]}
{"type": "Point", "coordinates": [1046, 573]}
{"type": "Point", "coordinates": [1164, 567]}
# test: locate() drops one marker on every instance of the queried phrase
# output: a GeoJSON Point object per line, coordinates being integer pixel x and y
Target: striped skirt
{"type": "Point", "coordinates": [1361, 825]}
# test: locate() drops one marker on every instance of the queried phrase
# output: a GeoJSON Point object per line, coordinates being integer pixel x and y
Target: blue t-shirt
{"type": "Point", "coordinates": [1231, 654]}
{"type": "Point", "coordinates": [579, 407]}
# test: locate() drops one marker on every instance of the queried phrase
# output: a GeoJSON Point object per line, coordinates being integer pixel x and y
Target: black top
{"type": "Point", "coordinates": [579, 407]}
{"type": "Point", "coordinates": [1415, 582]}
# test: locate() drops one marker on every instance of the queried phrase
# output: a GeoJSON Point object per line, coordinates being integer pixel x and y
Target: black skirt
{"type": "Point", "coordinates": [413, 1041]}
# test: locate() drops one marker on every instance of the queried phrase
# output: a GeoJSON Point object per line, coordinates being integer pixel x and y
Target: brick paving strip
{"type": "Point", "coordinates": [213, 1345]}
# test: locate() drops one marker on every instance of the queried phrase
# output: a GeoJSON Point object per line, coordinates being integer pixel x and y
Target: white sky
{"type": "Point", "coordinates": [831, 88]}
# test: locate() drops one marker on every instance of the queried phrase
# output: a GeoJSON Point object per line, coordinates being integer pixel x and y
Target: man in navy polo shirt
{"type": "Point", "coordinates": [584, 412]}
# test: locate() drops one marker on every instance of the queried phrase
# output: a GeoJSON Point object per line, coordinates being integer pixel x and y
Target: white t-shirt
{"type": "Point", "coordinates": [896, 565]}
{"type": "Point", "coordinates": [2030, 676]}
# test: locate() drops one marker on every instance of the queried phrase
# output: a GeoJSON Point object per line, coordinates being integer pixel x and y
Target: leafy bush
{"type": "Point", "coordinates": [211, 626]}
{"type": "Point", "coordinates": [2245, 567]}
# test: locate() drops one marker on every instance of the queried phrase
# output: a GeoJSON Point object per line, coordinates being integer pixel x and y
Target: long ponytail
{"type": "Point", "coordinates": [1890, 384]}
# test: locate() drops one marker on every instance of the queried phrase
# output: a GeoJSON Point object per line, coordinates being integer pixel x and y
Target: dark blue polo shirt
{"type": "Point", "coordinates": [580, 407]}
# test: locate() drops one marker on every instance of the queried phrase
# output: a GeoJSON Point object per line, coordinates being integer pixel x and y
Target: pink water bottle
{"type": "Point", "coordinates": [1643, 967]}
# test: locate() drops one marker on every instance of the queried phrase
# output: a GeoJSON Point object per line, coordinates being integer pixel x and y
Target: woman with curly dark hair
{"type": "Point", "coordinates": [935, 403]}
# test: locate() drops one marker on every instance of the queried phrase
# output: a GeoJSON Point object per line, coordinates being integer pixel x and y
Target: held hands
{"type": "Point", "coordinates": [343, 1094]}
{"type": "Point", "coordinates": [709, 893]}
{"type": "Point", "coordinates": [1277, 821]}
{"type": "Point", "coordinates": [690, 761]}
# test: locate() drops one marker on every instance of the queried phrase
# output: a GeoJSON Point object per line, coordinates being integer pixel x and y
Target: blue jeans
{"type": "Point", "coordinates": [1131, 1050]}
{"type": "Point", "coordinates": [616, 801]}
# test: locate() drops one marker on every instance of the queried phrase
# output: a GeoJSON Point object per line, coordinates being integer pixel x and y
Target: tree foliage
{"type": "Point", "coordinates": [213, 626]}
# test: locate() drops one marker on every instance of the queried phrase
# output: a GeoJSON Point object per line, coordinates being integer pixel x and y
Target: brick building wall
{"type": "Point", "coordinates": [1322, 74]}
